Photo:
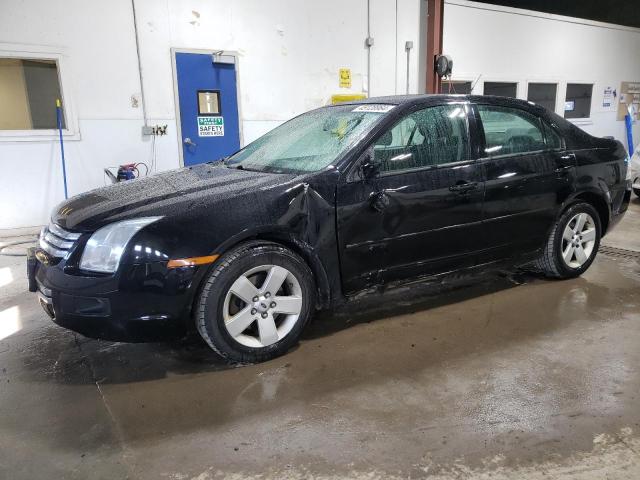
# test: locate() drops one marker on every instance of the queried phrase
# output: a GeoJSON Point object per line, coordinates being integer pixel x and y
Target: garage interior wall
{"type": "Point", "coordinates": [502, 44]}
{"type": "Point", "coordinates": [290, 53]}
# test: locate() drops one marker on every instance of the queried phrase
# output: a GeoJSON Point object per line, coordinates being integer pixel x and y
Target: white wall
{"type": "Point", "coordinates": [506, 44]}
{"type": "Point", "coordinates": [290, 53]}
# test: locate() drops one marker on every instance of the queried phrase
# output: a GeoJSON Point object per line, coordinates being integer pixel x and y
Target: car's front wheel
{"type": "Point", "coordinates": [255, 303]}
{"type": "Point", "coordinates": [573, 242]}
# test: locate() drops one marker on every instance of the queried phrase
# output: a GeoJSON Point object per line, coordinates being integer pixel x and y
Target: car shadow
{"type": "Point", "coordinates": [118, 363]}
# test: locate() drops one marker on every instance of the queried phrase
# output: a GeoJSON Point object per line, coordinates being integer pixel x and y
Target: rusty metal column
{"type": "Point", "coordinates": [435, 13]}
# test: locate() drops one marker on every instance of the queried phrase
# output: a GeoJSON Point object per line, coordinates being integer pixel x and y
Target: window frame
{"type": "Point", "coordinates": [483, 141]}
{"type": "Point", "coordinates": [460, 80]}
{"type": "Point", "coordinates": [35, 52]}
{"type": "Point", "coordinates": [209, 90]}
{"type": "Point", "coordinates": [503, 80]}
{"type": "Point", "coordinates": [579, 120]}
{"type": "Point", "coordinates": [555, 82]}
{"type": "Point", "coordinates": [467, 109]}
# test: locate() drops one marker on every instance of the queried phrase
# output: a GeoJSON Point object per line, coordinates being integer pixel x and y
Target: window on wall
{"type": "Point", "coordinates": [209, 102]}
{"type": "Point", "coordinates": [429, 137]}
{"type": "Point", "coordinates": [449, 86]}
{"type": "Point", "coordinates": [28, 92]}
{"type": "Point", "coordinates": [509, 131]}
{"type": "Point", "coordinates": [501, 89]}
{"type": "Point", "coordinates": [577, 103]}
{"type": "Point", "coordinates": [543, 94]}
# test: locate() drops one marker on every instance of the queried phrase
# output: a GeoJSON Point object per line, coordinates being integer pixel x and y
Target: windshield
{"type": "Point", "coordinates": [310, 142]}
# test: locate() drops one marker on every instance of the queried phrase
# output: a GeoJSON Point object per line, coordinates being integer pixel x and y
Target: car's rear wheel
{"type": "Point", "coordinates": [255, 303]}
{"type": "Point", "coordinates": [573, 242]}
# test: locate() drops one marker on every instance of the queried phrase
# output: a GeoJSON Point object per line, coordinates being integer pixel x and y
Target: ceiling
{"type": "Point", "coordinates": [621, 12]}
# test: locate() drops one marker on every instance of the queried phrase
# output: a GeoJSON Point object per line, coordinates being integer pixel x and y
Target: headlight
{"type": "Point", "coordinates": [104, 249]}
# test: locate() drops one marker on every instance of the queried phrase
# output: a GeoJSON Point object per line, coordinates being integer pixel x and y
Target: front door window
{"type": "Point", "coordinates": [425, 138]}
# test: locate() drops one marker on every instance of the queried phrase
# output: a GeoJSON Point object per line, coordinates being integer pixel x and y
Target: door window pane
{"type": "Point", "coordinates": [208, 102]}
{"type": "Point", "coordinates": [448, 86]}
{"type": "Point", "coordinates": [578, 100]}
{"type": "Point", "coordinates": [509, 131]}
{"type": "Point", "coordinates": [501, 89]}
{"type": "Point", "coordinates": [543, 94]}
{"type": "Point", "coordinates": [433, 136]}
{"type": "Point", "coordinates": [28, 93]}
{"type": "Point", "coordinates": [553, 139]}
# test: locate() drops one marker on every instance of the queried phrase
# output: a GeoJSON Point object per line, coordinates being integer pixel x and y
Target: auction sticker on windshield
{"type": "Point", "coordinates": [210, 126]}
{"type": "Point", "coordinates": [373, 108]}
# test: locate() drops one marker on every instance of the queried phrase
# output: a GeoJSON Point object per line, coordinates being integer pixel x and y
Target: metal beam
{"type": "Point", "coordinates": [435, 14]}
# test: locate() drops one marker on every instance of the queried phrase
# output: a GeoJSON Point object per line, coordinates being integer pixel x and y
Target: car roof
{"type": "Point", "coordinates": [435, 99]}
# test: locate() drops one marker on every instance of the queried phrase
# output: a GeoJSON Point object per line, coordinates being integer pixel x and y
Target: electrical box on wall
{"type": "Point", "coordinates": [148, 130]}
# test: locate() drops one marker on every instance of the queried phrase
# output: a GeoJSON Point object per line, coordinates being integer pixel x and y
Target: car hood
{"type": "Point", "coordinates": [166, 194]}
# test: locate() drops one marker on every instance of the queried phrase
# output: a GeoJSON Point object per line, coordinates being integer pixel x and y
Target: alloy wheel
{"type": "Point", "coordinates": [262, 306]}
{"type": "Point", "coordinates": [578, 240]}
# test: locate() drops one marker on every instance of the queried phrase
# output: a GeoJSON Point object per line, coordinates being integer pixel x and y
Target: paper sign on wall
{"type": "Point", "coordinates": [608, 97]}
{"type": "Point", "coordinates": [345, 78]}
{"type": "Point", "coordinates": [210, 126]}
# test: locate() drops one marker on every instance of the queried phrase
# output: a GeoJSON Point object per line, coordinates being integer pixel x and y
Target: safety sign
{"type": "Point", "coordinates": [345, 78]}
{"type": "Point", "coordinates": [210, 126]}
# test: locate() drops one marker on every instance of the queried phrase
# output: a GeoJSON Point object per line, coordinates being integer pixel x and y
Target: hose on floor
{"type": "Point", "coordinates": [16, 243]}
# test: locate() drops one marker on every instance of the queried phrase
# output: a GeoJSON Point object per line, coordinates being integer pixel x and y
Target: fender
{"type": "Point", "coordinates": [283, 235]}
{"type": "Point", "coordinates": [598, 196]}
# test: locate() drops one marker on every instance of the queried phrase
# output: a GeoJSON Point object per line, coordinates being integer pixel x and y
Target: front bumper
{"type": "Point", "coordinates": [143, 302]}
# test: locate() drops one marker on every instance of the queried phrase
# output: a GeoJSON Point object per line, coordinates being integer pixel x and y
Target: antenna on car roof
{"type": "Point", "coordinates": [473, 85]}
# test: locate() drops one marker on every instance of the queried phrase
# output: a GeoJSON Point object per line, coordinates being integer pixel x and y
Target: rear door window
{"type": "Point", "coordinates": [554, 141]}
{"type": "Point", "coordinates": [509, 131]}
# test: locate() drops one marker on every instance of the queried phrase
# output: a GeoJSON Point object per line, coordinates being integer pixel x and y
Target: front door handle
{"type": "Point", "coordinates": [463, 187]}
{"type": "Point", "coordinates": [189, 142]}
{"type": "Point", "coordinates": [378, 201]}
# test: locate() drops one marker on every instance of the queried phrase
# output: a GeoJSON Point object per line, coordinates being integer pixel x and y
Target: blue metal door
{"type": "Point", "coordinates": [208, 98]}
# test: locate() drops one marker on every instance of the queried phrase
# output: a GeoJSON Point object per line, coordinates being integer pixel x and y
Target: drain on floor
{"type": "Point", "coordinates": [619, 252]}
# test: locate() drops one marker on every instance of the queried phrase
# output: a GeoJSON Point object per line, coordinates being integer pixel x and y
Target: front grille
{"type": "Point", "coordinates": [57, 241]}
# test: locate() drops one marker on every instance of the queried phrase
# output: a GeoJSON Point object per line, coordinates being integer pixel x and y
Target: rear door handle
{"type": "Point", "coordinates": [463, 187]}
{"type": "Point", "coordinates": [564, 172]}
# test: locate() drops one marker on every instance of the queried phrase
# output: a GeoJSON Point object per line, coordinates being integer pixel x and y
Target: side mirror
{"type": "Point", "coordinates": [368, 168]}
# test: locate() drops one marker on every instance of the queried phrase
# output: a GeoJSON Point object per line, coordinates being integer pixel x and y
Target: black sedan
{"type": "Point", "coordinates": [335, 201]}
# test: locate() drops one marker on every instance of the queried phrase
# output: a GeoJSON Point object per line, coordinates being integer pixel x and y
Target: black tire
{"type": "Point", "coordinates": [210, 304]}
{"type": "Point", "coordinates": [551, 262]}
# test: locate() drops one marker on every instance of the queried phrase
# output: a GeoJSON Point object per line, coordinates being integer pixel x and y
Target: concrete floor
{"type": "Point", "coordinates": [504, 380]}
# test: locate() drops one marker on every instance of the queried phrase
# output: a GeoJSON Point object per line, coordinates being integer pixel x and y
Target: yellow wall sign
{"type": "Point", "coordinates": [345, 78]}
{"type": "Point", "coordinates": [346, 97]}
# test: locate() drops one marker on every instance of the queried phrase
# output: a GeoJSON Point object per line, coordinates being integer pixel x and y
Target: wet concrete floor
{"type": "Point", "coordinates": [507, 378]}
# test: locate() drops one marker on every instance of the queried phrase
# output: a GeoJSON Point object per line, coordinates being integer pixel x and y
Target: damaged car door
{"type": "Point", "coordinates": [414, 207]}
